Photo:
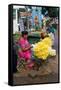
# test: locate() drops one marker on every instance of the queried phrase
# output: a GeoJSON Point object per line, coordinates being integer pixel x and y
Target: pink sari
{"type": "Point", "coordinates": [24, 44]}
{"type": "Point", "coordinates": [25, 54]}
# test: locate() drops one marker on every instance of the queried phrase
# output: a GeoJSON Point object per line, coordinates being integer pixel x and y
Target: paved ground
{"type": "Point", "coordinates": [47, 73]}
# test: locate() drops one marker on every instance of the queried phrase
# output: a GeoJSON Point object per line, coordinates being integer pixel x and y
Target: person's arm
{"type": "Point", "coordinates": [27, 48]}
{"type": "Point", "coordinates": [23, 46]}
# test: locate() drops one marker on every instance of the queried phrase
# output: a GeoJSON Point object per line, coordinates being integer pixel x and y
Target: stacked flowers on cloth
{"type": "Point", "coordinates": [52, 52]}
{"type": "Point", "coordinates": [43, 49]}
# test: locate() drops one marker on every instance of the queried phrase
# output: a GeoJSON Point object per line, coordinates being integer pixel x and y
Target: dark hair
{"type": "Point", "coordinates": [24, 33]}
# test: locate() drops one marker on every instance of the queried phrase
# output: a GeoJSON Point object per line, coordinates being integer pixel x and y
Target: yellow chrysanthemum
{"type": "Point", "coordinates": [41, 49]}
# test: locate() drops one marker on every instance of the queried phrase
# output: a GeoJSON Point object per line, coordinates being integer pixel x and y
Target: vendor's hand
{"type": "Point", "coordinates": [30, 46]}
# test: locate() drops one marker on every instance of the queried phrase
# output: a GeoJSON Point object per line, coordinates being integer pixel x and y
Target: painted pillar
{"type": "Point", "coordinates": [33, 16]}
{"type": "Point", "coordinates": [40, 15]}
{"type": "Point", "coordinates": [15, 24]}
{"type": "Point", "coordinates": [16, 16]}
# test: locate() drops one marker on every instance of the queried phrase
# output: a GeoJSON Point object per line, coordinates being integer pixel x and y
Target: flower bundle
{"type": "Point", "coordinates": [43, 49]}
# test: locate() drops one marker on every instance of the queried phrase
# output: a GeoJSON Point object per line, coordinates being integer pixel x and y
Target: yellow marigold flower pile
{"type": "Point", "coordinates": [41, 49]}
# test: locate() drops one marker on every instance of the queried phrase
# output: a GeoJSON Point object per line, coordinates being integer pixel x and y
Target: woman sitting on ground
{"type": "Point", "coordinates": [25, 51]}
